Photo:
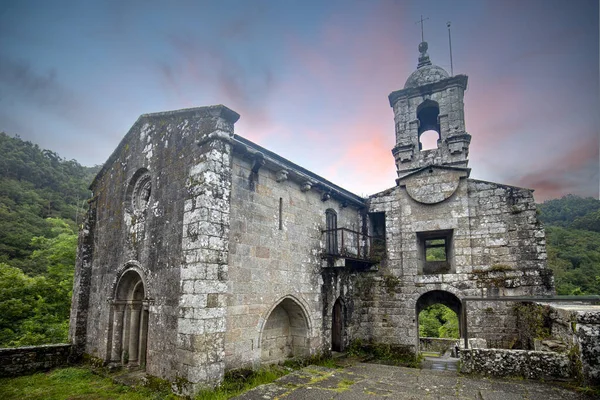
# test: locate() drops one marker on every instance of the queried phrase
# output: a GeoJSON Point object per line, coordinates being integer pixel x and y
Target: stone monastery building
{"type": "Point", "coordinates": [204, 252]}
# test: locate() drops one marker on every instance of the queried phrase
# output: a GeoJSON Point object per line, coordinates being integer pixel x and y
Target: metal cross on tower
{"type": "Point", "coordinates": [421, 22]}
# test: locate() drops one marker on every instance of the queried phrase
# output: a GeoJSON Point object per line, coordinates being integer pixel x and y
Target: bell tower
{"type": "Point", "coordinates": [430, 101]}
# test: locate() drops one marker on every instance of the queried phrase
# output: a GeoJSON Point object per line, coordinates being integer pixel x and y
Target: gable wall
{"type": "Point", "coordinates": [151, 241]}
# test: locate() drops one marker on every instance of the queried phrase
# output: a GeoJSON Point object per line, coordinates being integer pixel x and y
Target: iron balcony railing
{"type": "Point", "coordinates": [349, 244]}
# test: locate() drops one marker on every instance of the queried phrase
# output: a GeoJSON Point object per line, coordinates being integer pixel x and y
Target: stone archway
{"type": "Point", "coordinates": [285, 333]}
{"type": "Point", "coordinates": [130, 321]}
{"type": "Point", "coordinates": [439, 297]}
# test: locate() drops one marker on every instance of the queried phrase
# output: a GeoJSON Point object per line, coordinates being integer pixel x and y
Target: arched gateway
{"type": "Point", "coordinates": [129, 330]}
{"type": "Point", "coordinates": [440, 297]}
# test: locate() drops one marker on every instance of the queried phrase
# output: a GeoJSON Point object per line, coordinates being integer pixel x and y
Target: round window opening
{"type": "Point", "coordinates": [141, 193]}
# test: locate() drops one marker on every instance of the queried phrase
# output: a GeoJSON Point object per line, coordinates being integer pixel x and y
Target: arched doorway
{"type": "Point", "coordinates": [285, 333]}
{"type": "Point", "coordinates": [337, 326]}
{"type": "Point", "coordinates": [130, 321]}
{"type": "Point", "coordinates": [438, 317]}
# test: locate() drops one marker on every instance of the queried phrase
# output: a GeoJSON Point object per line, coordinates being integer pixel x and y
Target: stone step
{"type": "Point", "coordinates": [440, 363]}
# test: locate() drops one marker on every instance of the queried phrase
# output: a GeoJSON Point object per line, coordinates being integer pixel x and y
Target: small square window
{"type": "Point", "coordinates": [435, 252]}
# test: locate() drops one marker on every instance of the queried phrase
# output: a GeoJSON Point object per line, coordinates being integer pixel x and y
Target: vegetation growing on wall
{"type": "Point", "coordinates": [533, 322]}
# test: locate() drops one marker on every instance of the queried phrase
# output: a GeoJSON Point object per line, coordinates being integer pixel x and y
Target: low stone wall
{"type": "Point", "coordinates": [27, 360]}
{"type": "Point", "coordinates": [519, 363]}
{"type": "Point", "coordinates": [578, 326]}
{"type": "Point", "coordinates": [438, 345]}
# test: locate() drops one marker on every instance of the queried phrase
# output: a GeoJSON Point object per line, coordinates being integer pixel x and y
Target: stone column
{"type": "Point", "coordinates": [134, 332]}
{"type": "Point", "coordinates": [143, 334]}
{"type": "Point", "coordinates": [117, 332]}
{"type": "Point", "coordinates": [126, 333]}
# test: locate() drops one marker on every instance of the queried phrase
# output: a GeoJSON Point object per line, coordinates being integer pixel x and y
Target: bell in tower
{"type": "Point", "coordinates": [431, 100]}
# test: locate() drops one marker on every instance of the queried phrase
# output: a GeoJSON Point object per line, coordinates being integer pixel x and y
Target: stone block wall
{"type": "Point", "coordinates": [498, 250]}
{"type": "Point", "coordinates": [27, 360]}
{"type": "Point", "coordinates": [505, 231]}
{"type": "Point", "coordinates": [578, 326]}
{"type": "Point", "coordinates": [574, 331]}
{"type": "Point", "coordinates": [516, 363]}
{"type": "Point", "coordinates": [275, 252]}
{"type": "Point", "coordinates": [204, 271]}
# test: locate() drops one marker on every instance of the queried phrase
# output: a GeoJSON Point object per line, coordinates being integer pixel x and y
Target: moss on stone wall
{"type": "Point", "coordinates": [532, 323]}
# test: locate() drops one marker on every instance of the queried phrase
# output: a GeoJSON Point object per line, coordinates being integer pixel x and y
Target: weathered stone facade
{"type": "Point", "coordinates": [204, 252]}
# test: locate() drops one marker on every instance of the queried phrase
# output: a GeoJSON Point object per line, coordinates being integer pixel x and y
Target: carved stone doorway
{"type": "Point", "coordinates": [130, 322]}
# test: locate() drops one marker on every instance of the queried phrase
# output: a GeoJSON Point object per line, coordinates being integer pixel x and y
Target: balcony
{"type": "Point", "coordinates": [347, 248]}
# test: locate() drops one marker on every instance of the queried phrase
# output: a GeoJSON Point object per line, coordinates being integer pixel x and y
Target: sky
{"type": "Point", "coordinates": [310, 79]}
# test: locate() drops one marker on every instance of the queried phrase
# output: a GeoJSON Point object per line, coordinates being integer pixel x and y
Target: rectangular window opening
{"type": "Point", "coordinates": [377, 233]}
{"type": "Point", "coordinates": [436, 254]}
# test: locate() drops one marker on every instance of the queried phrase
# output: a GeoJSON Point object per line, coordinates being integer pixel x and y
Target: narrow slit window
{"type": "Point", "coordinates": [280, 213]}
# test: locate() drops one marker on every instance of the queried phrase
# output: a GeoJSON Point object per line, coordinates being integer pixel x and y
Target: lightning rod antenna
{"type": "Point", "coordinates": [450, 43]}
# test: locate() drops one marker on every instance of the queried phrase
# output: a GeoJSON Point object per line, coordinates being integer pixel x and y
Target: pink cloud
{"type": "Point", "coordinates": [567, 173]}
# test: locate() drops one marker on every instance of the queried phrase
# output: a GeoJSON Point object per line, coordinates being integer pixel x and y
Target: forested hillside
{"type": "Point", "coordinates": [573, 243]}
{"type": "Point", "coordinates": [42, 198]}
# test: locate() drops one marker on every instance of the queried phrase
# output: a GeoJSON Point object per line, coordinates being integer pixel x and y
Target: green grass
{"type": "Point", "coordinates": [77, 383]}
{"type": "Point", "coordinates": [239, 381]}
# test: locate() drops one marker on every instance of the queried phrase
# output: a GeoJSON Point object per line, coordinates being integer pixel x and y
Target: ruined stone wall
{"type": "Point", "coordinates": [578, 326]}
{"type": "Point", "coordinates": [141, 197]}
{"type": "Point", "coordinates": [516, 363]}
{"type": "Point", "coordinates": [268, 264]}
{"type": "Point", "coordinates": [497, 248]}
{"type": "Point", "coordinates": [29, 359]}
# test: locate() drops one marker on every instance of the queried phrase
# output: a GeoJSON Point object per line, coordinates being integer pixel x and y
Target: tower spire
{"type": "Point", "coordinates": [423, 46]}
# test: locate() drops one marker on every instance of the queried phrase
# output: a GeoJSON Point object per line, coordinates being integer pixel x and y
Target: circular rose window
{"type": "Point", "coordinates": [141, 193]}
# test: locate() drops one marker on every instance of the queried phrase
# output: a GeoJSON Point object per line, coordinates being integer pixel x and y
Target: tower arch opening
{"type": "Point", "coordinates": [129, 330]}
{"type": "Point", "coordinates": [429, 125]}
{"type": "Point", "coordinates": [285, 333]}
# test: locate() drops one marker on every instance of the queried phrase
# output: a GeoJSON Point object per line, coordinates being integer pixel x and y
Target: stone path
{"type": "Point", "coordinates": [374, 381]}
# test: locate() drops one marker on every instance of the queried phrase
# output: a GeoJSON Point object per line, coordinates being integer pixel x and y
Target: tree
{"type": "Point", "coordinates": [438, 320]}
{"type": "Point", "coordinates": [35, 310]}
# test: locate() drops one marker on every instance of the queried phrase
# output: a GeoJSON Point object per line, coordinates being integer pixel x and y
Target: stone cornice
{"type": "Point", "coordinates": [294, 172]}
{"type": "Point", "coordinates": [467, 171]}
{"type": "Point", "coordinates": [457, 80]}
